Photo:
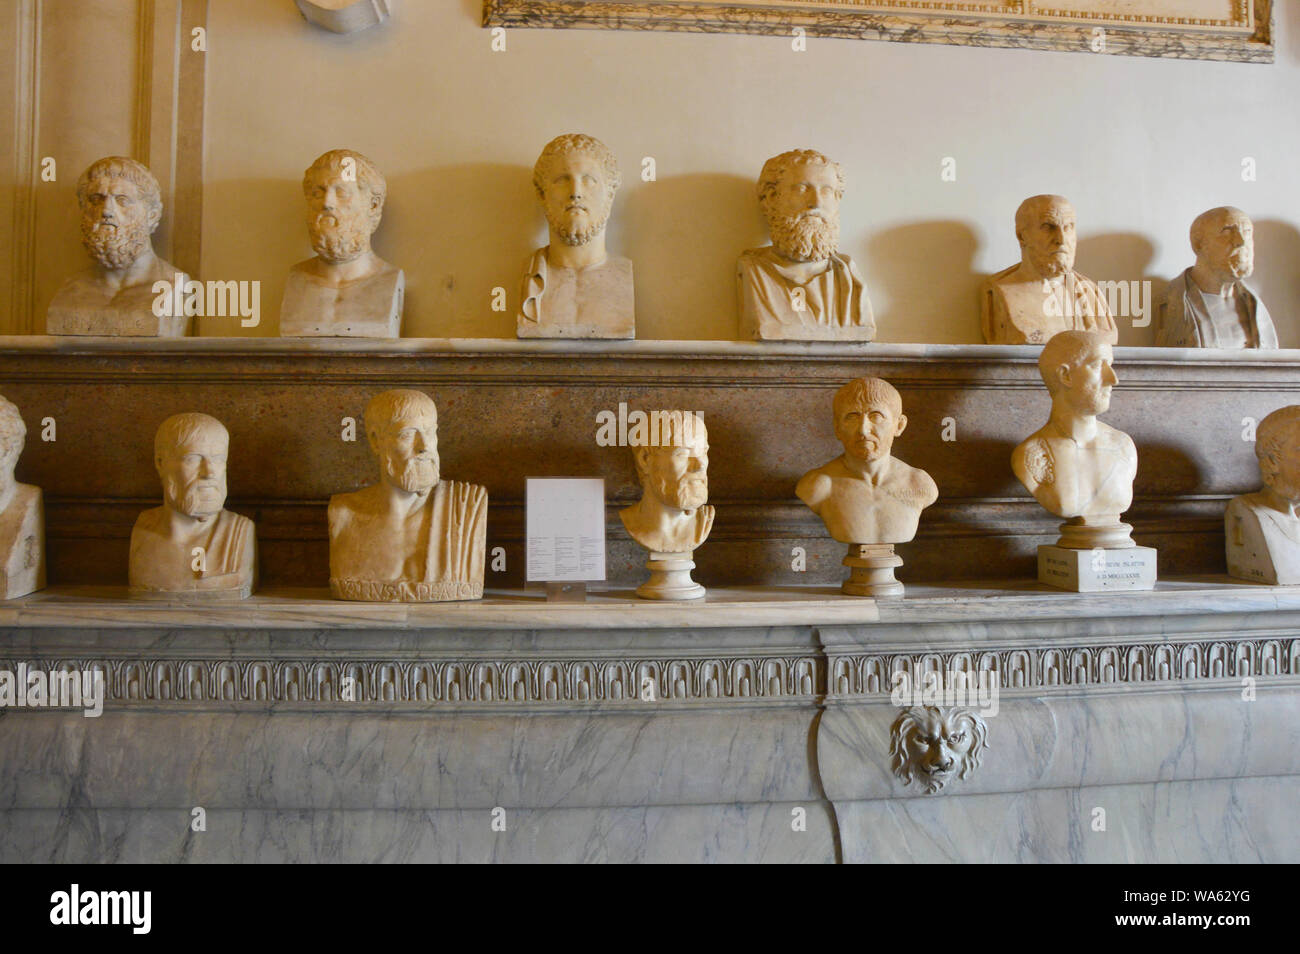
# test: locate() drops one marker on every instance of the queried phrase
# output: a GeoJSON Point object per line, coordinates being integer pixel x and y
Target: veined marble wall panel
{"type": "Point", "coordinates": [1214, 821]}
{"type": "Point", "coordinates": [655, 835]}
{"type": "Point", "coordinates": [513, 410]}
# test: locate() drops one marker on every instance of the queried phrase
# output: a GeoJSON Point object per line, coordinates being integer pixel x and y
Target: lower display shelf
{"type": "Point", "coordinates": [979, 722]}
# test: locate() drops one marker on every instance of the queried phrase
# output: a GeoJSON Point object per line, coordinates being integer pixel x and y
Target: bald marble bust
{"type": "Point", "coordinates": [414, 536]}
{"type": "Point", "coordinates": [866, 495]}
{"type": "Point", "coordinates": [22, 514]}
{"type": "Point", "coordinates": [801, 287]}
{"type": "Point", "coordinates": [192, 547]}
{"type": "Point", "coordinates": [672, 515]}
{"type": "Point", "coordinates": [1262, 529]}
{"type": "Point", "coordinates": [121, 207]}
{"type": "Point", "coordinates": [345, 290]}
{"type": "Point", "coordinates": [1043, 295]}
{"type": "Point", "coordinates": [1209, 305]}
{"type": "Point", "coordinates": [1076, 466]}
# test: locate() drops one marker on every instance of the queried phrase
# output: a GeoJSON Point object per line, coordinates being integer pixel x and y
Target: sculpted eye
{"type": "Point", "coordinates": [956, 738]}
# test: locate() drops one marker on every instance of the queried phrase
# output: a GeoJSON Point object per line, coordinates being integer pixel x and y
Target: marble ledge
{"type": "Point", "coordinates": [266, 346]}
{"type": "Point", "coordinates": [994, 605]}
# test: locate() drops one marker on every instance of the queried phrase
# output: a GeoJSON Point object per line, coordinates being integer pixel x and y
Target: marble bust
{"type": "Point", "coordinates": [414, 537]}
{"type": "Point", "coordinates": [1043, 295]}
{"type": "Point", "coordinates": [866, 497]}
{"type": "Point", "coordinates": [672, 518]}
{"type": "Point", "coordinates": [801, 287]}
{"type": "Point", "coordinates": [1262, 530]}
{"type": "Point", "coordinates": [1076, 466]}
{"type": "Point", "coordinates": [192, 547]}
{"type": "Point", "coordinates": [573, 288]}
{"type": "Point", "coordinates": [121, 206]}
{"type": "Point", "coordinates": [345, 290]}
{"type": "Point", "coordinates": [1208, 305]}
{"type": "Point", "coordinates": [22, 514]}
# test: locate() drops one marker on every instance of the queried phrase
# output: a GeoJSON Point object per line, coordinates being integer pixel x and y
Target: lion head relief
{"type": "Point", "coordinates": [934, 745]}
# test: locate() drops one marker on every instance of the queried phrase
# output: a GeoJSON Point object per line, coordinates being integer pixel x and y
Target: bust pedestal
{"type": "Point", "coordinates": [670, 578]}
{"type": "Point", "coordinates": [871, 570]}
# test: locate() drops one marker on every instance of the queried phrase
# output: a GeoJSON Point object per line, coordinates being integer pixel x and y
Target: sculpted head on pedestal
{"type": "Point", "coordinates": [13, 437]}
{"type": "Point", "coordinates": [576, 178]}
{"type": "Point", "coordinates": [345, 201]}
{"type": "Point", "coordinates": [1277, 447]}
{"type": "Point", "coordinates": [1224, 242]}
{"type": "Point", "coordinates": [799, 192]}
{"type": "Point", "coordinates": [1077, 368]}
{"type": "Point", "coordinates": [121, 206]}
{"type": "Point", "coordinates": [1045, 228]}
{"type": "Point", "coordinates": [190, 453]}
{"type": "Point", "coordinates": [868, 416]}
{"type": "Point", "coordinates": [402, 428]}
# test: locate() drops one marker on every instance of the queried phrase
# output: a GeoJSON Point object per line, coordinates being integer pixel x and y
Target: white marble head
{"type": "Point", "coordinates": [121, 206]}
{"type": "Point", "coordinates": [13, 435]}
{"type": "Point", "coordinates": [402, 427]}
{"type": "Point", "coordinates": [1045, 227]}
{"type": "Point", "coordinates": [1077, 368]}
{"type": "Point", "coordinates": [936, 745]}
{"type": "Point", "coordinates": [799, 192]}
{"type": "Point", "coordinates": [868, 416]}
{"type": "Point", "coordinates": [345, 201]}
{"type": "Point", "coordinates": [190, 453]}
{"type": "Point", "coordinates": [1277, 446]}
{"type": "Point", "coordinates": [673, 464]}
{"type": "Point", "coordinates": [1224, 242]}
{"type": "Point", "coordinates": [576, 178]}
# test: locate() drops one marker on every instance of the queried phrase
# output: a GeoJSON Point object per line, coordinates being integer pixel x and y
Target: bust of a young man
{"type": "Point", "coordinates": [345, 290]}
{"type": "Point", "coordinates": [192, 547]}
{"type": "Point", "coordinates": [121, 206]}
{"type": "Point", "coordinates": [573, 288]}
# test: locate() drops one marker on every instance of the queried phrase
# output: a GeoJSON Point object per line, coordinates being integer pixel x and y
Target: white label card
{"type": "Point", "coordinates": [565, 519]}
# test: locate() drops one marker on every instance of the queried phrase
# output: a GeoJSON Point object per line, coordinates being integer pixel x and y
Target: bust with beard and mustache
{"type": "Point", "coordinates": [801, 288]}
{"type": "Point", "coordinates": [121, 207]}
{"type": "Point", "coordinates": [346, 290]}
{"type": "Point", "coordinates": [1043, 295]}
{"type": "Point", "coordinates": [673, 517]}
{"type": "Point", "coordinates": [1209, 305]}
{"type": "Point", "coordinates": [413, 536]}
{"type": "Point", "coordinates": [192, 547]}
{"type": "Point", "coordinates": [573, 288]}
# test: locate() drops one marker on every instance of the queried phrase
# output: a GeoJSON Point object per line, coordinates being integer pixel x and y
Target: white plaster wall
{"type": "Point", "coordinates": [1140, 145]}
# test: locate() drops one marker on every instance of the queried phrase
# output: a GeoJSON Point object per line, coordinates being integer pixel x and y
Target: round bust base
{"type": "Point", "coordinates": [871, 570]}
{"type": "Point", "coordinates": [670, 578]}
{"type": "Point", "coordinates": [1103, 534]}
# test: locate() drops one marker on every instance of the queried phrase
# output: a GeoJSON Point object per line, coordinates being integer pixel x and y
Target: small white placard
{"type": "Point", "coordinates": [565, 519]}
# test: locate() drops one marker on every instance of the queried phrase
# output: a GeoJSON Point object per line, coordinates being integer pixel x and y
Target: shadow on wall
{"type": "Point", "coordinates": [1125, 257]}
{"type": "Point", "coordinates": [684, 235]}
{"type": "Point", "coordinates": [1277, 275]}
{"type": "Point", "coordinates": [899, 270]}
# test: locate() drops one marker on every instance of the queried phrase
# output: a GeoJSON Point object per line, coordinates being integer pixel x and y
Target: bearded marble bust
{"type": "Point", "coordinates": [1209, 305]}
{"type": "Point", "coordinates": [1262, 529]}
{"type": "Point", "coordinates": [573, 288]}
{"type": "Point", "coordinates": [414, 536]}
{"type": "Point", "coordinates": [22, 514]}
{"type": "Point", "coordinates": [121, 206]}
{"type": "Point", "coordinates": [192, 547]}
{"type": "Point", "coordinates": [346, 290]}
{"type": "Point", "coordinates": [1043, 295]}
{"type": "Point", "coordinates": [801, 287]}
{"type": "Point", "coordinates": [672, 515]}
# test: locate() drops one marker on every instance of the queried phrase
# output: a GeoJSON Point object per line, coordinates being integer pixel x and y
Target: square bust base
{"type": "Point", "coordinates": [1097, 571]}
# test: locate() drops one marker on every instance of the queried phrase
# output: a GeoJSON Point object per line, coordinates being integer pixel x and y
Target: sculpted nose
{"type": "Point", "coordinates": [1109, 377]}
